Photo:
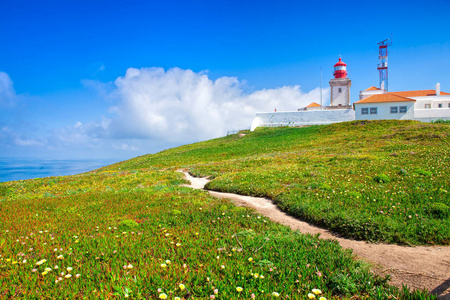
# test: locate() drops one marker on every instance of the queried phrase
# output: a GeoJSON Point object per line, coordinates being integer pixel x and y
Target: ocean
{"type": "Point", "coordinates": [19, 169]}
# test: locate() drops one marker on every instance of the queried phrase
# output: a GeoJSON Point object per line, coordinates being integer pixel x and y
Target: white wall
{"type": "Point", "coordinates": [298, 118]}
{"type": "Point", "coordinates": [434, 102]}
{"type": "Point", "coordinates": [340, 98]}
{"type": "Point", "coordinates": [428, 115]}
{"type": "Point", "coordinates": [384, 111]}
{"type": "Point", "coordinates": [365, 94]}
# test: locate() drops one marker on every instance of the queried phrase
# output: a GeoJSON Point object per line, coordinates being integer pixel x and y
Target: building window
{"type": "Point", "coordinates": [364, 111]}
{"type": "Point", "coordinates": [440, 105]}
{"type": "Point", "coordinates": [403, 109]}
{"type": "Point", "coordinates": [373, 110]}
{"type": "Point", "coordinates": [427, 105]}
{"type": "Point", "coordinates": [340, 90]}
{"type": "Point", "coordinates": [394, 109]}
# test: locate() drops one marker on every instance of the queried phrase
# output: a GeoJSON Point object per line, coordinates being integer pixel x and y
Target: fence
{"type": "Point", "coordinates": [230, 132]}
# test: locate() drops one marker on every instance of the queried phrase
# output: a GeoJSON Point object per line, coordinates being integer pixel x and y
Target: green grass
{"type": "Point", "coordinates": [375, 181]}
{"type": "Point", "coordinates": [131, 231]}
{"type": "Point", "coordinates": [140, 235]}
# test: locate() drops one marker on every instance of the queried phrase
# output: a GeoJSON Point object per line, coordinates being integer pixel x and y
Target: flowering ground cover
{"type": "Point", "coordinates": [377, 181]}
{"type": "Point", "coordinates": [137, 234]}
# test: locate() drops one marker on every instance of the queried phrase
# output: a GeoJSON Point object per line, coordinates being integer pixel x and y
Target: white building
{"type": "Point", "coordinates": [369, 92]}
{"type": "Point", "coordinates": [422, 105]}
{"type": "Point", "coordinates": [312, 106]}
{"type": "Point", "coordinates": [384, 106]}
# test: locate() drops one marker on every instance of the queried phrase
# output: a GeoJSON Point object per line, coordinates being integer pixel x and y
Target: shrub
{"type": "Point", "coordinates": [128, 224]}
{"type": "Point", "coordinates": [381, 178]}
{"type": "Point", "coordinates": [422, 172]}
{"type": "Point", "coordinates": [439, 210]}
{"type": "Point", "coordinates": [440, 121]}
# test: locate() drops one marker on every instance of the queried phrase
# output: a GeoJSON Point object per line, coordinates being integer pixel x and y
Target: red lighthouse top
{"type": "Point", "coordinates": [340, 69]}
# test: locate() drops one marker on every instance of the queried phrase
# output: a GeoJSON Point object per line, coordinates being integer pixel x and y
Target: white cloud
{"type": "Point", "coordinates": [124, 146]}
{"type": "Point", "coordinates": [29, 142]}
{"type": "Point", "coordinates": [153, 109]}
{"type": "Point", "coordinates": [9, 138]}
{"type": "Point", "coordinates": [8, 95]}
{"type": "Point", "coordinates": [183, 106]}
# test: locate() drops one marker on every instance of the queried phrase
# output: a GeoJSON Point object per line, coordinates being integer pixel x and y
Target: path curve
{"type": "Point", "coordinates": [421, 267]}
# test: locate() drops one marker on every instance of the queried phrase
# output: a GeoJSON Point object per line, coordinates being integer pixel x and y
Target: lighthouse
{"type": "Point", "coordinates": [340, 87]}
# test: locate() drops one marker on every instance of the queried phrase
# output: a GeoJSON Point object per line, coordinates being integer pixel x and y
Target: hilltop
{"type": "Point", "coordinates": [372, 180]}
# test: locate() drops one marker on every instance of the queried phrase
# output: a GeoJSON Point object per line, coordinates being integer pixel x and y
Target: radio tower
{"type": "Point", "coordinates": [383, 65]}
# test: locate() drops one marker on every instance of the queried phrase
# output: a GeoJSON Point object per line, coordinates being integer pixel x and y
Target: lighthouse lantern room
{"type": "Point", "coordinates": [340, 86]}
{"type": "Point", "coordinates": [340, 69]}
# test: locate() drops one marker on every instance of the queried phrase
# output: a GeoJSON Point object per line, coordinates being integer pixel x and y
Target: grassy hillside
{"type": "Point", "coordinates": [139, 235]}
{"type": "Point", "coordinates": [131, 231]}
{"type": "Point", "coordinates": [378, 181]}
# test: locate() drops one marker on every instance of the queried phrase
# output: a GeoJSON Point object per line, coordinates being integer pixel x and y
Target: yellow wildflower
{"type": "Point", "coordinates": [41, 262]}
{"type": "Point", "coordinates": [317, 291]}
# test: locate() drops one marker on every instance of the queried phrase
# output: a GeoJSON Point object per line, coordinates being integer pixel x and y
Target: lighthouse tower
{"type": "Point", "coordinates": [340, 87]}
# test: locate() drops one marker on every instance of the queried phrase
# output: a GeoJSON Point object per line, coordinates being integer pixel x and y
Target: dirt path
{"type": "Point", "coordinates": [418, 267]}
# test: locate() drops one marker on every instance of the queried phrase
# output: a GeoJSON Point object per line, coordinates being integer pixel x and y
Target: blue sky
{"type": "Point", "coordinates": [117, 79]}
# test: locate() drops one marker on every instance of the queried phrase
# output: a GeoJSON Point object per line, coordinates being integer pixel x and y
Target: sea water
{"type": "Point", "coordinates": [19, 169]}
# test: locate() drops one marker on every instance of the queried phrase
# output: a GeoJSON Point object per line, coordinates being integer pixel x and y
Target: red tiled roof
{"type": "Point", "coordinates": [388, 97]}
{"type": "Point", "coordinates": [421, 93]}
{"type": "Point", "coordinates": [314, 104]}
{"type": "Point", "coordinates": [372, 88]}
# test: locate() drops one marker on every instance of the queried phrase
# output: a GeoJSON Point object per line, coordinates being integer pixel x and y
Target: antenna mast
{"type": "Point", "coordinates": [321, 102]}
{"type": "Point", "coordinates": [383, 65]}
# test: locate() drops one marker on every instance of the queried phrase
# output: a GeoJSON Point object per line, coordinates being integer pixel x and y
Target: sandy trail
{"type": "Point", "coordinates": [422, 267]}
